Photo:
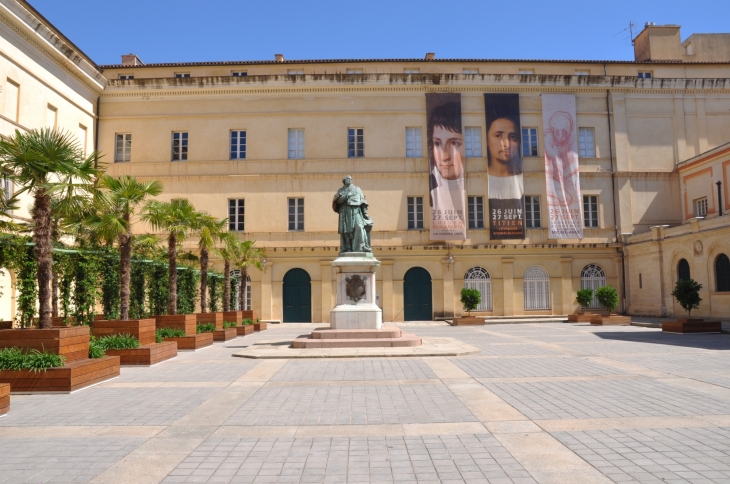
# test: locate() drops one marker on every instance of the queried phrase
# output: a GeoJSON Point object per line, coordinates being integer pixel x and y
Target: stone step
{"type": "Point", "coordinates": [405, 340]}
{"type": "Point", "coordinates": [356, 333]}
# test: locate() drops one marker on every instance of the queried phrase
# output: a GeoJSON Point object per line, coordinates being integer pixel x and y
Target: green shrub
{"type": "Point", "coordinates": [96, 350]}
{"type": "Point", "coordinates": [247, 321]}
{"type": "Point", "coordinates": [607, 298]}
{"type": "Point", "coordinates": [229, 324]}
{"type": "Point", "coordinates": [118, 342]}
{"type": "Point", "coordinates": [687, 294]}
{"type": "Point", "coordinates": [470, 299]}
{"type": "Point", "coordinates": [205, 328]}
{"type": "Point", "coordinates": [584, 297]}
{"type": "Point", "coordinates": [163, 333]}
{"type": "Point", "coordinates": [34, 360]}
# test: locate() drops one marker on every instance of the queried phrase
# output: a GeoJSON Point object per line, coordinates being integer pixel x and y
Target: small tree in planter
{"type": "Point", "coordinates": [584, 297]}
{"type": "Point", "coordinates": [687, 294]}
{"type": "Point", "coordinates": [607, 298]}
{"type": "Point", "coordinates": [470, 299]}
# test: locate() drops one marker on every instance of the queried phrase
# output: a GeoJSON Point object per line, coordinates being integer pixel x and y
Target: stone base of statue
{"type": "Point", "coordinates": [355, 306]}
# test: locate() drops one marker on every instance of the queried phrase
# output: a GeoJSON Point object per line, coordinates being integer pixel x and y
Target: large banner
{"type": "Point", "coordinates": [561, 166]}
{"type": "Point", "coordinates": [446, 166]}
{"type": "Point", "coordinates": [506, 189]}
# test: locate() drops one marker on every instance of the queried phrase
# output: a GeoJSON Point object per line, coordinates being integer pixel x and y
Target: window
{"type": "Point", "coordinates": [590, 211]}
{"type": "Point", "coordinates": [411, 71]}
{"type": "Point", "coordinates": [645, 75]}
{"type": "Point", "coordinates": [700, 207]}
{"type": "Point", "coordinates": [236, 212]}
{"type": "Point", "coordinates": [12, 98]}
{"type": "Point", "coordinates": [296, 144]}
{"type": "Point", "coordinates": [473, 142]}
{"type": "Point", "coordinates": [582, 73]}
{"type": "Point", "coordinates": [414, 143]}
{"type": "Point", "coordinates": [476, 212]}
{"type": "Point", "coordinates": [536, 288]}
{"type": "Point", "coordinates": [296, 214]}
{"type": "Point", "coordinates": [248, 293]}
{"type": "Point", "coordinates": [123, 147]}
{"type": "Point", "coordinates": [529, 141]}
{"type": "Point", "coordinates": [239, 74]}
{"type": "Point", "coordinates": [415, 213]}
{"type": "Point", "coordinates": [182, 74]}
{"type": "Point", "coordinates": [470, 71]}
{"type": "Point", "coordinates": [238, 145]}
{"type": "Point", "coordinates": [478, 278]}
{"type": "Point", "coordinates": [126, 76]}
{"type": "Point", "coordinates": [51, 117]}
{"type": "Point", "coordinates": [592, 277]}
{"type": "Point", "coordinates": [354, 71]}
{"type": "Point", "coordinates": [355, 142]}
{"type": "Point", "coordinates": [722, 273]}
{"type": "Point", "coordinates": [295, 72]}
{"type": "Point", "coordinates": [587, 145]}
{"type": "Point", "coordinates": [82, 137]}
{"type": "Point", "coordinates": [7, 188]}
{"type": "Point", "coordinates": [236, 291]}
{"type": "Point", "coordinates": [683, 270]}
{"type": "Point", "coordinates": [641, 285]}
{"type": "Point", "coordinates": [532, 211]}
{"type": "Point", "coordinates": [527, 72]}
{"type": "Point", "coordinates": [179, 146]}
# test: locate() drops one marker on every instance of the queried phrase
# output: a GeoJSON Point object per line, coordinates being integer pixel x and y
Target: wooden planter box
{"type": "Point", "coordinates": [71, 342]}
{"type": "Point", "coordinates": [193, 342]}
{"type": "Point", "coordinates": [216, 318]}
{"type": "Point", "coordinates": [468, 320]}
{"type": "Point", "coordinates": [186, 322]}
{"type": "Point", "coordinates": [4, 398]}
{"type": "Point", "coordinates": [72, 376]}
{"type": "Point", "coordinates": [230, 316]}
{"type": "Point", "coordinates": [692, 326]}
{"type": "Point", "coordinates": [6, 325]}
{"type": "Point", "coordinates": [249, 314]}
{"type": "Point", "coordinates": [244, 330]}
{"type": "Point", "coordinates": [147, 355]}
{"type": "Point", "coordinates": [142, 329]}
{"type": "Point", "coordinates": [613, 319]}
{"type": "Point", "coordinates": [260, 326]}
{"type": "Point", "coordinates": [225, 334]}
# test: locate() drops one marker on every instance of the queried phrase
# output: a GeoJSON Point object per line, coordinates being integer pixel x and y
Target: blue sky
{"type": "Point", "coordinates": [210, 30]}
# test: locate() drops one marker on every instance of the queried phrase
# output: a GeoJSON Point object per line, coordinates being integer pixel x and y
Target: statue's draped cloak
{"type": "Point", "coordinates": [349, 203]}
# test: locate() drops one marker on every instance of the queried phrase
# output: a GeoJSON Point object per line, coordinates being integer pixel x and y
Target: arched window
{"type": "Point", "coordinates": [683, 270]}
{"type": "Point", "coordinates": [537, 288]}
{"type": "Point", "coordinates": [478, 278]}
{"type": "Point", "coordinates": [236, 294]}
{"type": "Point", "coordinates": [592, 277]}
{"type": "Point", "coordinates": [722, 273]}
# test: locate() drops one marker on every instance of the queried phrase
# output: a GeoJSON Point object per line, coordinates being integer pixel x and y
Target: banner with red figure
{"type": "Point", "coordinates": [560, 134]}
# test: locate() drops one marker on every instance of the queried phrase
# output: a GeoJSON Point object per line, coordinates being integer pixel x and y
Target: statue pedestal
{"type": "Point", "coordinates": [355, 305]}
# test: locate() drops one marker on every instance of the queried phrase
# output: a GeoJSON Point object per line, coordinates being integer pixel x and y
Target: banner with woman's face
{"type": "Point", "coordinates": [446, 166]}
{"type": "Point", "coordinates": [504, 161]}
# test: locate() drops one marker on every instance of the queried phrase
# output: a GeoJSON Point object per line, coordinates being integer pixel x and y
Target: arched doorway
{"type": "Point", "coordinates": [478, 278]}
{"type": "Point", "coordinates": [297, 297]}
{"type": "Point", "coordinates": [417, 295]}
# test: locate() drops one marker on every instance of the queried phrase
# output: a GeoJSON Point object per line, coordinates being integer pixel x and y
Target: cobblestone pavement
{"type": "Point", "coordinates": [541, 403]}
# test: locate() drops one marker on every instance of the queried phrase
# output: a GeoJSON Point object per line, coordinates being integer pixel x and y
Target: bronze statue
{"type": "Point", "coordinates": [355, 224]}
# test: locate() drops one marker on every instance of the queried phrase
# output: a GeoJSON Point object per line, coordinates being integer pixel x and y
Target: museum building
{"type": "Point", "coordinates": [267, 144]}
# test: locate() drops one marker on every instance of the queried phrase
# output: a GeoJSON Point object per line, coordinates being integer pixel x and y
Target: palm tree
{"type": "Point", "coordinates": [176, 218]}
{"type": "Point", "coordinates": [227, 252]}
{"type": "Point", "coordinates": [210, 232]}
{"type": "Point", "coordinates": [124, 194]}
{"type": "Point", "coordinates": [44, 162]}
{"type": "Point", "coordinates": [247, 256]}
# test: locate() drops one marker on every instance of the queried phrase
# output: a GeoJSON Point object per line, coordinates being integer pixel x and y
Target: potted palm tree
{"type": "Point", "coordinates": [248, 256]}
{"type": "Point", "coordinates": [227, 252]}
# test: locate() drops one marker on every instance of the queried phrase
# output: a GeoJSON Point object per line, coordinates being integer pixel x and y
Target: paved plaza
{"type": "Point", "coordinates": [540, 402]}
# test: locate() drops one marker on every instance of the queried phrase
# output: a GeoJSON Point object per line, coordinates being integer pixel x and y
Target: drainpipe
{"type": "Point", "coordinates": [96, 126]}
{"type": "Point", "coordinates": [719, 197]}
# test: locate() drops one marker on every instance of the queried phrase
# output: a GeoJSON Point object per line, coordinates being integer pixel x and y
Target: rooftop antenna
{"type": "Point", "coordinates": [630, 29]}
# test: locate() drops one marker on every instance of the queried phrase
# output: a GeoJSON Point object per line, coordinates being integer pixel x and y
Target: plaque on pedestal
{"type": "Point", "coordinates": [355, 305]}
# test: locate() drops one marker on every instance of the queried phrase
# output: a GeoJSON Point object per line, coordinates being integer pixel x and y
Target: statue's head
{"type": "Point", "coordinates": [347, 180]}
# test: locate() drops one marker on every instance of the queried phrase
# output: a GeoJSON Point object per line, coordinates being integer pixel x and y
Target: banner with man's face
{"type": "Point", "coordinates": [447, 170]}
{"type": "Point", "coordinates": [504, 162]}
{"type": "Point", "coordinates": [561, 166]}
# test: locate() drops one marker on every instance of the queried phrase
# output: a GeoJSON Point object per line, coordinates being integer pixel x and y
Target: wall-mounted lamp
{"type": "Point", "coordinates": [263, 263]}
{"type": "Point", "coordinates": [449, 257]}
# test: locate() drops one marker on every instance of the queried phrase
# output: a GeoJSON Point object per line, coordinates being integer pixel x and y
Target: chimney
{"type": "Point", "coordinates": [279, 57]}
{"type": "Point", "coordinates": [658, 43]}
{"type": "Point", "coordinates": [430, 56]}
{"type": "Point", "coordinates": [131, 60]}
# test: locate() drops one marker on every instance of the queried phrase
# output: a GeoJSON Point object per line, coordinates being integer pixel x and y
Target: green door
{"type": "Point", "coordinates": [417, 295]}
{"type": "Point", "coordinates": [297, 297]}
